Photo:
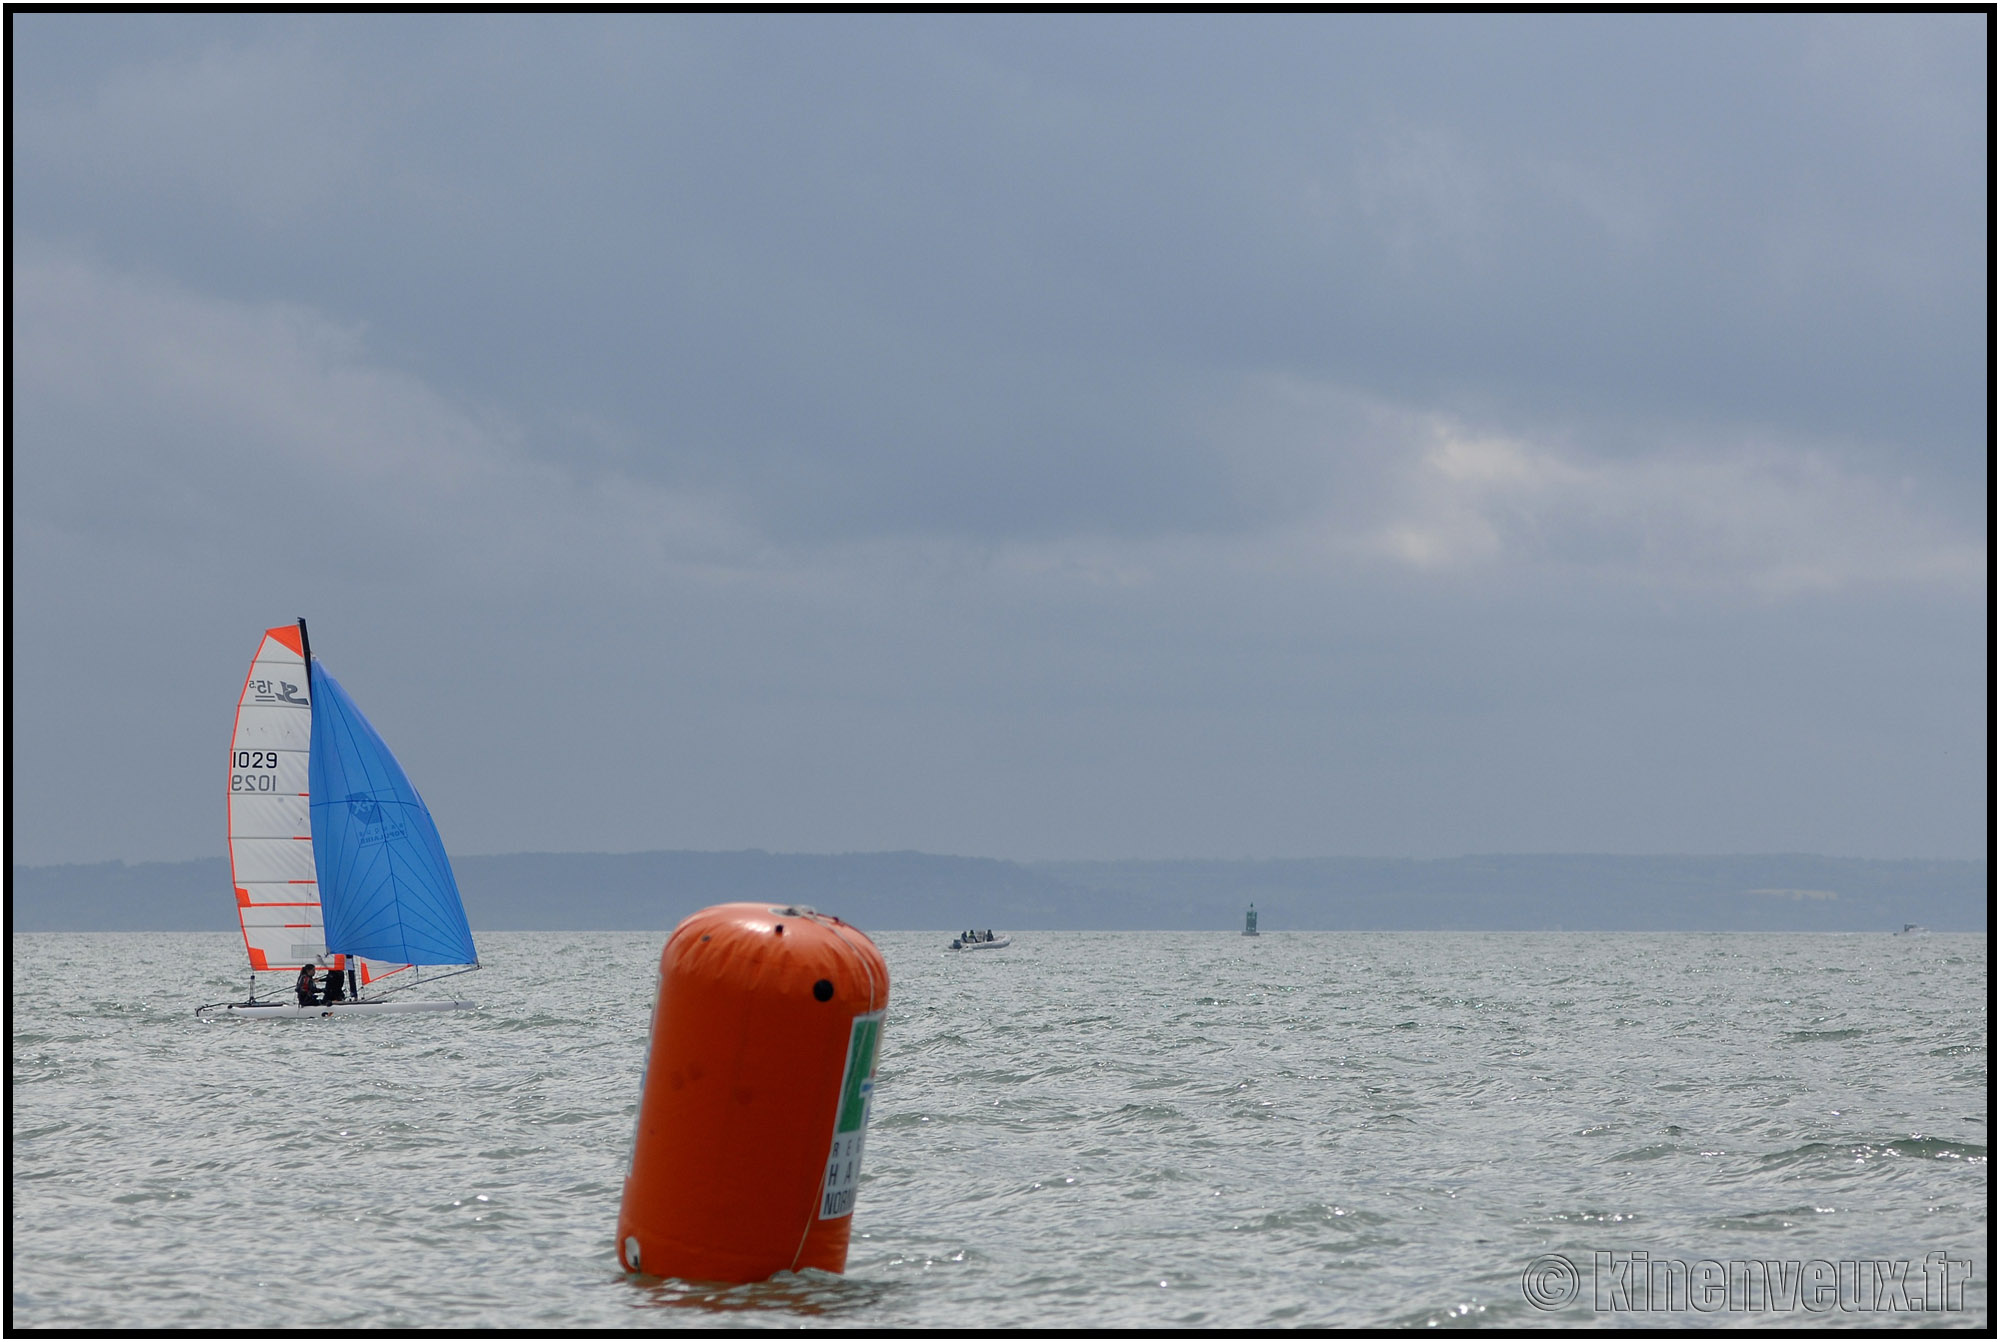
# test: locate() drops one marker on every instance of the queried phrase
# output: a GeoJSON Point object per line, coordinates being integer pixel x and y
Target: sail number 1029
{"type": "Point", "coordinates": [254, 782]}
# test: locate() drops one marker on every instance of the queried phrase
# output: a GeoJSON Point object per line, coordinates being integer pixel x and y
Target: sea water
{"type": "Point", "coordinates": [1083, 1129]}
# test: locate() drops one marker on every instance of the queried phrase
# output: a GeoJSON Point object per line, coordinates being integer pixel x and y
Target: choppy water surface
{"type": "Point", "coordinates": [1097, 1129]}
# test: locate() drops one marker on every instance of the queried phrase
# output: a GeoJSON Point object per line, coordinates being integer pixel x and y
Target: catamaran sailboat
{"type": "Point", "coordinates": [333, 855]}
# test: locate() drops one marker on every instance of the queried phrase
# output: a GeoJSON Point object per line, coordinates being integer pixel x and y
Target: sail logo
{"type": "Point", "coordinates": [278, 692]}
{"type": "Point", "coordinates": [376, 824]}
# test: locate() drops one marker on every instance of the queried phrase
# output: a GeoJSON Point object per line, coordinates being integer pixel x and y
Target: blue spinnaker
{"type": "Point", "coordinates": [385, 886]}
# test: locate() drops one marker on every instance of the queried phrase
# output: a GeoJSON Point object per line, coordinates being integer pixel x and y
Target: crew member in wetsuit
{"type": "Point", "coordinates": [307, 997]}
{"type": "Point", "coordinates": [336, 990]}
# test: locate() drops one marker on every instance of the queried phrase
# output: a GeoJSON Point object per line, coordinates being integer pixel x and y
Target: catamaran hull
{"type": "Point", "coordinates": [281, 1011]}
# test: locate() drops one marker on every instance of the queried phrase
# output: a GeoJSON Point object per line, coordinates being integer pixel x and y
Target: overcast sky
{"type": "Point", "coordinates": [1025, 436]}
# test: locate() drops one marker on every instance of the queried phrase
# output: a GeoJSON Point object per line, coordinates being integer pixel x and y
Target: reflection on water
{"type": "Point", "coordinates": [808, 1294]}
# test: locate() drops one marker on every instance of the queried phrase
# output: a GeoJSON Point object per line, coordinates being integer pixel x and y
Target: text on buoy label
{"type": "Point", "coordinates": [850, 1122]}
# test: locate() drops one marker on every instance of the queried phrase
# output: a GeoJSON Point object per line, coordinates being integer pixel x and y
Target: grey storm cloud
{"type": "Point", "coordinates": [1062, 405]}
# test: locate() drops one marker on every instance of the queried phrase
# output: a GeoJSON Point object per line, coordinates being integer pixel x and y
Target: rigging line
{"type": "Point", "coordinates": [416, 983]}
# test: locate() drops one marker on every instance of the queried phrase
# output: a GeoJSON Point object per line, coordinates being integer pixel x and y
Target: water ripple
{"type": "Point", "coordinates": [1082, 1131]}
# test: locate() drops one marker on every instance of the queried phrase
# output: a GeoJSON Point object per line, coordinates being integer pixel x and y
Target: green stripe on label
{"type": "Point", "coordinates": [860, 1074]}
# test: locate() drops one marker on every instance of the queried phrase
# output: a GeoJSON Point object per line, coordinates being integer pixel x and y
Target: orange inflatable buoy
{"type": "Point", "coordinates": [755, 1099]}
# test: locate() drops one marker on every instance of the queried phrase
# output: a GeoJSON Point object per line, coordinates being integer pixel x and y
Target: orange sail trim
{"type": "Point", "coordinates": [288, 634]}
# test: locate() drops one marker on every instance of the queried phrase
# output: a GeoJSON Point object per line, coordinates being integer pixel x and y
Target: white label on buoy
{"type": "Point", "coordinates": [850, 1121]}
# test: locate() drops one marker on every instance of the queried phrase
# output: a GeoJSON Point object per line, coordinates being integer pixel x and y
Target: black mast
{"type": "Point", "coordinates": [306, 651]}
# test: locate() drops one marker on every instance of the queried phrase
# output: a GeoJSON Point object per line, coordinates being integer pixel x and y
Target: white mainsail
{"type": "Point", "coordinates": [270, 829]}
